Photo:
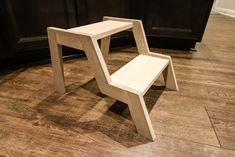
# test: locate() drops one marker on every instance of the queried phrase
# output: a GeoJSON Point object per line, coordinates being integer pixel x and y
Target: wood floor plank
{"type": "Point", "coordinates": [223, 120]}
{"type": "Point", "coordinates": [182, 118]}
{"type": "Point", "coordinates": [198, 120]}
{"type": "Point", "coordinates": [45, 141]}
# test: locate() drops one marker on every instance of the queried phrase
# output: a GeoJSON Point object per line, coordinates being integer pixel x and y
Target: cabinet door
{"type": "Point", "coordinates": [24, 22]}
{"type": "Point", "coordinates": [91, 11]}
{"type": "Point", "coordinates": [180, 19]}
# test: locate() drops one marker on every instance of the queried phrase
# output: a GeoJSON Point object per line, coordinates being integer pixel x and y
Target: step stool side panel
{"type": "Point", "coordinates": [140, 116]}
{"type": "Point", "coordinates": [56, 61]}
{"type": "Point", "coordinates": [140, 37]}
{"type": "Point", "coordinates": [169, 77]}
{"type": "Point", "coordinates": [96, 59]}
{"type": "Point", "coordinates": [104, 46]}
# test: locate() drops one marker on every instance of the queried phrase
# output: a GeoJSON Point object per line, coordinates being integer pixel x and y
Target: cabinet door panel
{"type": "Point", "coordinates": [94, 10]}
{"type": "Point", "coordinates": [184, 19]}
{"type": "Point", "coordinates": [25, 21]}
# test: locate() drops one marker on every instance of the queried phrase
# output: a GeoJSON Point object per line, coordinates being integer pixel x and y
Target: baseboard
{"type": "Point", "coordinates": [227, 12]}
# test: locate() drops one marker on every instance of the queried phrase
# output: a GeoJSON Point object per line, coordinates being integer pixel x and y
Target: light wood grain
{"type": "Point", "coordinates": [128, 83]}
{"type": "Point", "coordinates": [104, 46]}
{"type": "Point", "coordinates": [169, 77]}
{"type": "Point", "coordinates": [138, 32]}
{"type": "Point", "coordinates": [102, 29]}
{"type": "Point", "coordinates": [57, 62]}
{"type": "Point", "coordinates": [140, 115]}
{"type": "Point", "coordinates": [131, 75]}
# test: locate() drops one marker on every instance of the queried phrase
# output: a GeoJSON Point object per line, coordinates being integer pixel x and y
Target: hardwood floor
{"type": "Point", "coordinates": [198, 120]}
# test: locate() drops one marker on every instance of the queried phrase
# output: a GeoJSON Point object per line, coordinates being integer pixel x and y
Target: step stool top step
{"type": "Point", "coordinates": [140, 73]}
{"type": "Point", "coordinates": [102, 29]}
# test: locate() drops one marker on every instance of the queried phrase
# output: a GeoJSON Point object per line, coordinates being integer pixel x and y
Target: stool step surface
{"type": "Point", "coordinates": [140, 73]}
{"type": "Point", "coordinates": [102, 29]}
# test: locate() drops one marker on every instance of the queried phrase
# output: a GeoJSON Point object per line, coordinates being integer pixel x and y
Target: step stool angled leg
{"type": "Point", "coordinates": [140, 38]}
{"type": "Point", "coordinates": [138, 32]}
{"type": "Point", "coordinates": [105, 42]}
{"type": "Point", "coordinates": [140, 116]}
{"type": "Point", "coordinates": [169, 77]}
{"type": "Point", "coordinates": [57, 62]}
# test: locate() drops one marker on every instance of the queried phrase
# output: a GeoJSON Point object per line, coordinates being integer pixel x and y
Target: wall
{"type": "Point", "coordinates": [226, 7]}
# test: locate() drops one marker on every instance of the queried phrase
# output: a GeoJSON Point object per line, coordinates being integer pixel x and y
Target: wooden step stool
{"type": "Point", "coordinates": [129, 83]}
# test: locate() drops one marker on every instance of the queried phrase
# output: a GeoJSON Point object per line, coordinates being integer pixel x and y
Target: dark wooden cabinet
{"type": "Point", "coordinates": [94, 10]}
{"type": "Point", "coordinates": [177, 20]}
{"type": "Point", "coordinates": [23, 23]}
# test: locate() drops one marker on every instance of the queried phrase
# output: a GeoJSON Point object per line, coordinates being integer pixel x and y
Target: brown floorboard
{"type": "Point", "coordinates": [198, 120]}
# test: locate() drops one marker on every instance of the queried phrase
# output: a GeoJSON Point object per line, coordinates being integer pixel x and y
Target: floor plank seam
{"type": "Point", "coordinates": [213, 128]}
{"type": "Point", "coordinates": [181, 139]}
